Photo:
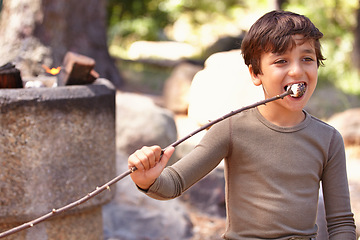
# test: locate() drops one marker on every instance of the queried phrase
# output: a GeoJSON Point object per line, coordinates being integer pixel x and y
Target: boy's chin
{"type": "Point", "coordinates": [296, 103]}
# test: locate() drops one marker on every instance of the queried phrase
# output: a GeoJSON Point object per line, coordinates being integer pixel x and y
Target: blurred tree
{"type": "Point", "coordinates": [42, 31]}
{"type": "Point", "coordinates": [131, 20]}
{"type": "Point", "coordinates": [279, 4]}
{"type": "Point", "coordinates": [356, 52]}
{"type": "Point", "coordinates": [136, 19]}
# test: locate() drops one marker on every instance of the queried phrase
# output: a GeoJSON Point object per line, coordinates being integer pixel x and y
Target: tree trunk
{"type": "Point", "coordinates": [36, 32]}
{"type": "Point", "coordinates": [356, 52]}
{"type": "Point", "coordinates": [278, 4]}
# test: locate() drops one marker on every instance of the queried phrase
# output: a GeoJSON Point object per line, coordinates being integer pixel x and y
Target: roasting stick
{"type": "Point", "coordinates": [295, 90]}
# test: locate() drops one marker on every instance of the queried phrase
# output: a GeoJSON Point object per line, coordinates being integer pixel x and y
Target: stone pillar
{"type": "Point", "coordinates": [57, 145]}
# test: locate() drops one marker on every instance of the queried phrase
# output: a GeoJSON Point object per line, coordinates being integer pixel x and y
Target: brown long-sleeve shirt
{"type": "Point", "coordinates": [272, 177]}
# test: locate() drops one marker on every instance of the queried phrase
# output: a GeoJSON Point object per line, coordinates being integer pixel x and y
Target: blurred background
{"type": "Point", "coordinates": [206, 26]}
{"type": "Point", "coordinates": [176, 65]}
{"type": "Point", "coordinates": [147, 38]}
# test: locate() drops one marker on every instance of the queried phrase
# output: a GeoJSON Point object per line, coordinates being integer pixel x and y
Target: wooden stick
{"type": "Point", "coordinates": [98, 190]}
{"type": "Point", "coordinates": [206, 126]}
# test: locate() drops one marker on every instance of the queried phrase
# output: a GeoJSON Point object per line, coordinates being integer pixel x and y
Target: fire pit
{"type": "Point", "coordinates": [57, 144]}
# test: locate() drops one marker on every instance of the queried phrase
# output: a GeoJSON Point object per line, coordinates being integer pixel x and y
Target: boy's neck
{"type": "Point", "coordinates": [281, 118]}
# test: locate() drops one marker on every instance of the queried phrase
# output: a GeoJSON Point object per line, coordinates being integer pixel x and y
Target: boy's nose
{"type": "Point", "coordinates": [296, 70]}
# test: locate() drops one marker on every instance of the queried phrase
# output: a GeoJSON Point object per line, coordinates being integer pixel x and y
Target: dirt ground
{"type": "Point", "coordinates": [206, 227]}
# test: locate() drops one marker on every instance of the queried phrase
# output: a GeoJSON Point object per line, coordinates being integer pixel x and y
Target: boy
{"type": "Point", "coordinates": [275, 154]}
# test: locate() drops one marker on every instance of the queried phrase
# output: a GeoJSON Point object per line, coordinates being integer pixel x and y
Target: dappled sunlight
{"type": "Point", "coordinates": [161, 50]}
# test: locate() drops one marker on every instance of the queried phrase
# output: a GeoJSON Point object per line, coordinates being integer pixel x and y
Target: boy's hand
{"type": "Point", "coordinates": [149, 165]}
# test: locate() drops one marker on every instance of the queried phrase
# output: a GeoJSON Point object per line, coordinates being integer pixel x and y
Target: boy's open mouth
{"type": "Point", "coordinates": [298, 89]}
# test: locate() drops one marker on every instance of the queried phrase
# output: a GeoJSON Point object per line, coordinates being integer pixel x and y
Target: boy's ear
{"type": "Point", "coordinates": [254, 77]}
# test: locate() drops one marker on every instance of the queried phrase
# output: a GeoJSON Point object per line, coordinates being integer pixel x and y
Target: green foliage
{"type": "Point", "coordinates": [131, 20]}
{"type": "Point", "coordinates": [337, 21]}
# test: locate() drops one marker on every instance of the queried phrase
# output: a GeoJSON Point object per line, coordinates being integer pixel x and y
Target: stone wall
{"type": "Point", "coordinates": [57, 145]}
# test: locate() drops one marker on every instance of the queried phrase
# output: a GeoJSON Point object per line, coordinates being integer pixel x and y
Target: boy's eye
{"type": "Point", "coordinates": [308, 59]}
{"type": "Point", "coordinates": [281, 61]}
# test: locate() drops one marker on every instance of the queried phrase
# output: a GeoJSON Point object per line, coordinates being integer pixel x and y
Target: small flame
{"type": "Point", "coordinates": [52, 71]}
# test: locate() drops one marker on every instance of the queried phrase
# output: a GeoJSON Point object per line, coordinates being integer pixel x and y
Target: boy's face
{"type": "Point", "coordinates": [297, 65]}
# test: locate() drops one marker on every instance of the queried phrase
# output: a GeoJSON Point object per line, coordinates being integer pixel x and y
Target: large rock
{"type": "Point", "coordinates": [177, 86]}
{"type": "Point", "coordinates": [223, 86]}
{"type": "Point", "coordinates": [223, 44]}
{"type": "Point", "coordinates": [328, 100]}
{"type": "Point", "coordinates": [142, 123]}
{"type": "Point", "coordinates": [348, 124]}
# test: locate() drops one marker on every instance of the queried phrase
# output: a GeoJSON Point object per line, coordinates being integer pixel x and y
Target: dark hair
{"type": "Point", "coordinates": [273, 33]}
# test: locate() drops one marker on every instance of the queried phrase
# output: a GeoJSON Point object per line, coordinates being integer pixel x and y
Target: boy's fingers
{"type": "Point", "coordinates": [145, 158]}
{"type": "Point", "coordinates": [149, 157]}
{"type": "Point", "coordinates": [135, 160]}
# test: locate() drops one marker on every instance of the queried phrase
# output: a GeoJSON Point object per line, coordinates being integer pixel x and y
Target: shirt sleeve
{"type": "Point", "coordinates": [175, 179]}
{"type": "Point", "coordinates": [340, 219]}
